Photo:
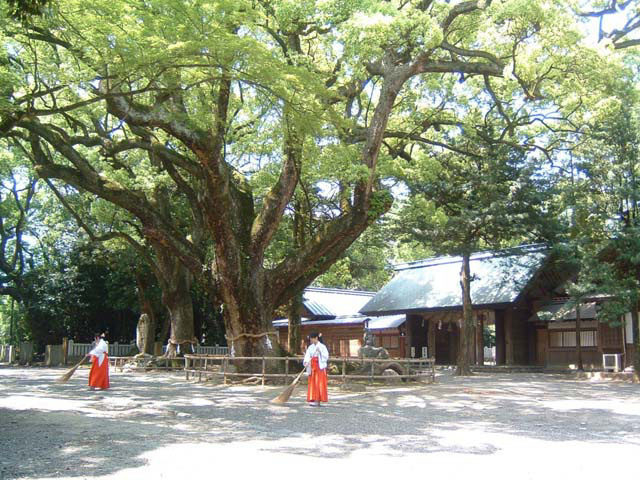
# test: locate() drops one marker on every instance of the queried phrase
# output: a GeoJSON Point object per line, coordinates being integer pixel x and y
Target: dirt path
{"type": "Point", "coordinates": [159, 426]}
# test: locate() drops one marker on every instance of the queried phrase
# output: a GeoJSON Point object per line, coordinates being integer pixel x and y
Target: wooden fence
{"type": "Point", "coordinates": [22, 353]}
{"type": "Point", "coordinates": [216, 365]}
{"type": "Point", "coordinates": [7, 353]}
{"type": "Point", "coordinates": [117, 350]}
{"type": "Point", "coordinates": [125, 349]}
{"type": "Point", "coordinates": [205, 350]}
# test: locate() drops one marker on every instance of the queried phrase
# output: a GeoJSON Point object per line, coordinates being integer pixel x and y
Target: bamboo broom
{"type": "Point", "coordinates": [286, 393]}
{"type": "Point", "coordinates": [65, 378]}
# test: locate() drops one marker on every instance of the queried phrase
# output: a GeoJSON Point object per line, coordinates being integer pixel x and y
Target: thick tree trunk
{"type": "Point", "coordinates": [250, 332]}
{"type": "Point", "coordinates": [466, 330]}
{"type": "Point", "coordinates": [248, 324]}
{"type": "Point", "coordinates": [578, 339]}
{"type": "Point", "coordinates": [176, 282]}
{"type": "Point", "coordinates": [178, 303]}
{"type": "Point", "coordinates": [293, 340]}
{"type": "Point", "coordinates": [295, 306]}
{"type": "Point", "coordinates": [163, 334]}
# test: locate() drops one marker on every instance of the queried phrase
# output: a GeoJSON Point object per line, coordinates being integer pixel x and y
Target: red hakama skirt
{"type": "Point", "coordinates": [317, 391]}
{"type": "Point", "coordinates": [99, 374]}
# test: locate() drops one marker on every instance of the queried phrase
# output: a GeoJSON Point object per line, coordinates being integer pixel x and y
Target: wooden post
{"type": "Point", "coordinates": [433, 369]}
{"type": "Point", "coordinates": [344, 370]}
{"type": "Point", "coordinates": [578, 337]}
{"type": "Point", "coordinates": [500, 343]}
{"type": "Point", "coordinates": [65, 350]}
{"type": "Point", "coordinates": [264, 364]}
{"type": "Point", "coordinates": [286, 371]}
{"type": "Point", "coordinates": [224, 370]}
{"type": "Point", "coordinates": [372, 371]}
{"type": "Point", "coordinates": [431, 338]}
{"type": "Point", "coordinates": [186, 367]}
{"type": "Point", "coordinates": [508, 336]}
{"type": "Point", "coordinates": [480, 340]}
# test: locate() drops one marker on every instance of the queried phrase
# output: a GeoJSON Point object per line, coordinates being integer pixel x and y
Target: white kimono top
{"type": "Point", "coordinates": [99, 350]}
{"type": "Point", "coordinates": [316, 350]}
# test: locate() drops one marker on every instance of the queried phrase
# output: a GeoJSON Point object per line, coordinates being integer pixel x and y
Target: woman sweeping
{"type": "Point", "coordinates": [99, 373]}
{"type": "Point", "coordinates": [315, 360]}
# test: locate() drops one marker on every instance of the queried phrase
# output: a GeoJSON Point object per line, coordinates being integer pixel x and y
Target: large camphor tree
{"type": "Point", "coordinates": [235, 107]}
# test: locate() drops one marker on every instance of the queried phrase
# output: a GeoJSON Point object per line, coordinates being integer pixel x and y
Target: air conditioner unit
{"type": "Point", "coordinates": [611, 362]}
{"type": "Point", "coordinates": [424, 352]}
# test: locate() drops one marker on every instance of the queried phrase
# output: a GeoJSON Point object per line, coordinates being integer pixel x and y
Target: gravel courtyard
{"type": "Point", "coordinates": [158, 426]}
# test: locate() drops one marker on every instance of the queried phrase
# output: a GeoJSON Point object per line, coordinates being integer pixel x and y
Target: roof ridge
{"type": "Point", "coordinates": [339, 290]}
{"type": "Point", "coordinates": [480, 255]}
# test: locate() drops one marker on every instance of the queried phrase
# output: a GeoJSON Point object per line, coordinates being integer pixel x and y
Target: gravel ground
{"type": "Point", "coordinates": [156, 425]}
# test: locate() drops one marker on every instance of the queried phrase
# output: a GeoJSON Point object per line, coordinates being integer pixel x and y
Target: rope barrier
{"type": "Point", "coordinates": [251, 335]}
{"type": "Point", "coordinates": [193, 341]}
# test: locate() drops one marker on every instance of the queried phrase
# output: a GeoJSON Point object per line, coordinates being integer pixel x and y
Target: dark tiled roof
{"type": "Point", "coordinates": [498, 278]}
{"type": "Point", "coordinates": [334, 302]}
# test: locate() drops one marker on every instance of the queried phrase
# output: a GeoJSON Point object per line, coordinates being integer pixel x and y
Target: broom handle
{"type": "Point", "coordinates": [299, 375]}
{"type": "Point", "coordinates": [81, 361]}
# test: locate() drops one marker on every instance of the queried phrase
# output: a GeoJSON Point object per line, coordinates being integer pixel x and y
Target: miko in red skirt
{"type": "Point", "coordinates": [315, 360]}
{"type": "Point", "coordinates": [99, 373]}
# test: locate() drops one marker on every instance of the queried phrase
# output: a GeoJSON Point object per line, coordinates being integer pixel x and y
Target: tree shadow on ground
{"type": "Point", "coordinates": [65, 430]}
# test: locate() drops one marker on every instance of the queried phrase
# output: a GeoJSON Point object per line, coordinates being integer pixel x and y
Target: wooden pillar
{"type": "Point", "coordinates": [454, 339]}
{"type": "Point", "coordinates": [532, 339]}
{"type": "Point", "coordinates": [431, 338]}
{"type": "Point", "coordinates": [65, 350]}
{"type": "Point", "coordinates": [409, 337]}
{"type": "Point", "coordinates": [508, 336]}
{"type": "Point", "coordinates": [480, 340]}
{"type": "Point", "coordinates": [500, 350]}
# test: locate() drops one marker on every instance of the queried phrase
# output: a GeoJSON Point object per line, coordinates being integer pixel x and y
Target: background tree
{"type": "Point", "coordinates": [17, 206]}
{"type": "Point", "coordinates": [203, 98]}
{"type": "Point", "coordinates": [618, 22]}
{"type": "Point", "coordinates": [461, 203]}
{"type": "Point", "coordinates": [600, 192]}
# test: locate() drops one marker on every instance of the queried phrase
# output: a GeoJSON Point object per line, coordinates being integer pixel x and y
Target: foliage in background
{"type": "Point", "coordinates": [257, 140]}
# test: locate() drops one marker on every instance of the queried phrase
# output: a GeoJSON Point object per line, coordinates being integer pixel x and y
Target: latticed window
{"type": "Point", "coordinates": [344, 348]}
{"type": "Point", "coordinates": [390, 341]}
{"type": "Point", "coordinates": [567, 339]}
